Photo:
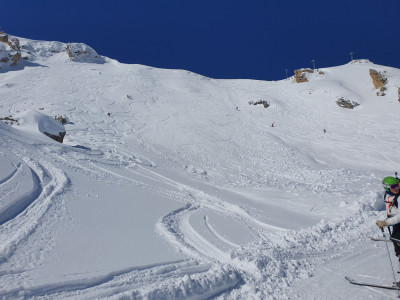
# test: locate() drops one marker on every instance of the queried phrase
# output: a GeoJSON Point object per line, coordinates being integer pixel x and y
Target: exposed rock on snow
{"type": "Point", "coordinates": [193, 170]}
{"type": "Point", "coordinates": [346, 103]}
{"type": "Point", "coordinates": [9, 120]}
{"type": "Point", "coordinates": [10, 51]}
{"type": "Point", "coordinates": [3, 38]}
{"type": "Point", "coordinates": [57, 137]}
{"type": "Point", "coordinates": [399, 94]}
{"type": "Point", "coordinates": [379, 81]}
{"type": "Point", "coordinates": [360, 61]}
{"type": "Point", "coordinates": [61, 119]}
{"type": "Point", "coordinates": [263, 102]}
{"type": "Point", "coordinates": [301, 75]}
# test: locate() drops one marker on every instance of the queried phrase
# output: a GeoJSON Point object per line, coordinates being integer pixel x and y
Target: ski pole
{"type": "Point", "coordinates": [390, 260]}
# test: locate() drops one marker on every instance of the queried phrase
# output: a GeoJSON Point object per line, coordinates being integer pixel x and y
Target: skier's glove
{"type": "Point", "coordinates": [381, 224]}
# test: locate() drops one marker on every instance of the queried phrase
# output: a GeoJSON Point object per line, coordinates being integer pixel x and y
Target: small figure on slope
{"type": "Point", "coordinates": [392, 193]}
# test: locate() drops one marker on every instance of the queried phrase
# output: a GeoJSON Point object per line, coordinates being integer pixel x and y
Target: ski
{"type": "Point", "coordinates": [383, 240]}
{"type": "Point", "coordinates": [379, 239]}
{"type": "Point", "coordinates": [388, 287]}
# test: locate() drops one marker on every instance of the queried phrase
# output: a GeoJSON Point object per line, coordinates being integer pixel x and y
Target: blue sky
{"type": "Point", "coordinates": [255, 39]}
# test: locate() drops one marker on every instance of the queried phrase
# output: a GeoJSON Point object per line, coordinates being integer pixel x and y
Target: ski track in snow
{"type": "Point", "coordinates": [23, 216]}
{"type": "Point", "coordinates": [20, 204]}
{"type": "Point", "coordinates": [210, 227]}
{"type": "Point", "coordinates": [176, 227]}
{"type": "Point", "coordinates": [147, 282]}
{"type": "Point", "coordinates": [175, 224]}
{"type": "Point", "coordinates": [49, 181]}
{"type": "Point", "coordinates": [115, 283]}
{"type": "Point", "coordinates": [11, 175]}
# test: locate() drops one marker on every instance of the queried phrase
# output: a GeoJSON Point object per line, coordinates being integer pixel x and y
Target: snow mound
{"type": "Point", "coordinates": [83, 53]}
{"type": "Point", "coordinates": [360, 61]}
{"type": "Point", "coordinates": [34, 122]}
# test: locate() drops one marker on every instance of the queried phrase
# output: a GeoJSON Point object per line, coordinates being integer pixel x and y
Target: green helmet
{"type": "Point", "coordinates": [388, 181]}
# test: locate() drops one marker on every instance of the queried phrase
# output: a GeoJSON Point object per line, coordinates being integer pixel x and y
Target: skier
{"type": "Point", "coordinates": [392, 193]}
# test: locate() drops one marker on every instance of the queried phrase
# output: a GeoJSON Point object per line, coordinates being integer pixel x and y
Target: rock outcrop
{"type": "Point", "coordinates": [360, 61]}
{"type": "Point", "coordinates": [346, 103]}
{"type": "Point", "coordinates": [258, 102]}
{"type": "Point", "coordinates": [59, 138]}
{"type": "Point", "coordinates": [10, 50]}
{"type": "Point", "coordinates": [83, 53]}
{"type": "Point", "coordinates": [62, 119]}
{"type": "Point", "coordinates": [9, 120]}
{"type": "Point", "coordinates": [379, 81]}
{"type": "Point", "coordinates": [399, 94]}
{"type": "Point", "coordinates": [301, 75]}
{"type": "Point", "coordinates": [3, 37]}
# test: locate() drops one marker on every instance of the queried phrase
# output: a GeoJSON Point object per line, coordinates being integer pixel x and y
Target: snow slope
{"type": "Point", "coordinates": [185, 191]}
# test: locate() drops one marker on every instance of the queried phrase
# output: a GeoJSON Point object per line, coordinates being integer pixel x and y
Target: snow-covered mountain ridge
{"type": "Point", "coordinates": [13, 48]}
{"type": "Point", "coordinates": [170, 185]}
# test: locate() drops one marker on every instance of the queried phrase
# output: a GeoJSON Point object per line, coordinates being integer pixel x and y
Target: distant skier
{"type": "Point", "coordinates": [273, 125]}
{"type": "Point", "coordinates": [109, 114]}
{"type": "Point", "coordinates": [324, 130]}
{"type": "Point", "coordinates": [392, 193]}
